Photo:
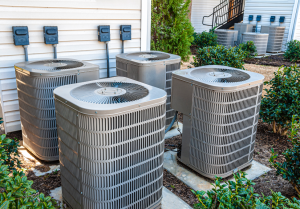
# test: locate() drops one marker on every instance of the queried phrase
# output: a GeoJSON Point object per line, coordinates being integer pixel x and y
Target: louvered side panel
{"type": "Point", "coordinates": [223, 129]}
{"type": "Point", "coordinates": [112, 162]}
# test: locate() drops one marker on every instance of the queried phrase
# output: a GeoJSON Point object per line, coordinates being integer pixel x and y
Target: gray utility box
{"type": "Point", "coordinates": [276, 34]}
{"type": "Point", "coordinates": [260, 41]}
{"type": "Point", "coordinates": [111, 143]}
{"type": "Point", "coordinates": [243, 28]}
{"type": "Point", "coordinates": [220, 107]}
{"type": "Point", "coordinates": [227, 37]}
{"type": "Point", "coordinates": [153, 68]}
{"type": "Point", "coordinates": [35, 83]}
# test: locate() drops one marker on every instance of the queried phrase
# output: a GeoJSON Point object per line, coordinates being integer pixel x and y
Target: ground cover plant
{"type": "Point", "coordinates": [205, 39]}
{"type": "Point", "coordinates": [16, 191]}
{"type": "Point", "coordinates": [220, 55]}
{"type": "Point", "coordinates": [292, 52]}
{"type": "Point", "coordinates": [282, 100]}
{"type": "Point", "coordinates": [171, 29]}
{"type": "Point", "coordinates": [239, 194]}
{"type": "Point", "coordinates": [290, 168]}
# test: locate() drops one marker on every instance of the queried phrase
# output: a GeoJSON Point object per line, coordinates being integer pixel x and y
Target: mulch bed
{"type": "Point", "coordinates": [273, 60]}
{"type": "Point", "coordinates": [45, 183]}
{"type": "Point", "coordinates": [265, 140]}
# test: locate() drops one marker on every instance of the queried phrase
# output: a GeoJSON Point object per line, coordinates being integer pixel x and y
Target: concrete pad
{"type": "Point", "coordinates": [52, 168]}
{"type": "Point", "coordinates": [174, 132]}
{"type": "Point", "coordinates": [169, 201]}
{"type": "Point", "coordinates": [198, 182]}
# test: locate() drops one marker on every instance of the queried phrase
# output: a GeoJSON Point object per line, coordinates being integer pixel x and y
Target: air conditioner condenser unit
{"type": "Point", "coordinates": [227, 37]}
{"type": "Point", "coordinates": [276, 35]}
{"type": "Point", "coordinates": [220, 107]}
{"type": "Point", "coordinates": [111, 143]}
{"type": "Point", "coordinates": [153, 68]}
{"type": "Point", "coordinates": [260, 41]}
{"type": "Point", "coordinates": [36, 81]}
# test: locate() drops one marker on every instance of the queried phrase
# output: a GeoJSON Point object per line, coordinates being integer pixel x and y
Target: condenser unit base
{"type": "Point", "coordinates": [249, 164]}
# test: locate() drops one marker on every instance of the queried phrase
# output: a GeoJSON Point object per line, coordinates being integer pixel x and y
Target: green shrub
{"type": "Point", "coordinates": [282, 100]}
{"type": "Point", "coordinates": [249, 48]}
{"type": "Point", "coordinates": [292, 52]}
{"type": "Point", "coordinates": [205, 39]}
{"type": "Point", "coordinates": [11, 150]}
{"type": "Point", "coordinates": [171, 29]}
{"type": "Point", "coordinates": [220, 55]}
{"type": "Point", "coordinates": [239, 194]}
{"type": "Point", "coordinates": [290, 168]}
{"type": "Point", "coordinates": [16, 191]}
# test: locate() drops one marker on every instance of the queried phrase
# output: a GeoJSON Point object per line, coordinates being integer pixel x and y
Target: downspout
{"type": "Point", "coordinates": [293, 21]}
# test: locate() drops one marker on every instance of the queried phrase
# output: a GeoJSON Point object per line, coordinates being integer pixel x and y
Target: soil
{"type": "Point", "coordinates": [179, 188]}
{"type": "Point", "coordinates": [273, 60]}
{"type": "Point", "coordinates": [45, 183]}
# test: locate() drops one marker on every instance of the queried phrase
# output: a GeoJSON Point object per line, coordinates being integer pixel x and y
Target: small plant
{"type": "Point", "coordinates": [292, 52]}
{"type": "Point", "coordinates": [55, 172]}
{"type": "Point", "coordinates": [239, 194]}
{"type": "Point", "coordinates": [282, 100]}
{"type": "Point", "coordinates": [220, 55]}
{"type": "Point", "coordinates": [205, 39]}
{"type": "Point", "coordinates": [16, 191]}
{"type": "Point", "coordinates": [11, 150]}
{"type": "Point", "coordinates": [290, 168]}
{"type": "Point", "coordinates": [171, 29]}
{"type": "Point", "coordinates": [249, 49]}
{"type": "Point", "coordinates": [231, 195]}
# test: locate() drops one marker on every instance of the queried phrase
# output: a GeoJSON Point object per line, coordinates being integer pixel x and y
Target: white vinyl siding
{"type": "Point", "coordinates": [201, 8]}
{"type": "Point", "coordinates": [268, 8]}
{"type": "Point", "coordinates": [296, 35]}
{"type": "Point", "coordinates": [77, 22]}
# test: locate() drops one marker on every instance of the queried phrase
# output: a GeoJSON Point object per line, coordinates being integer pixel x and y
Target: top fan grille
{"type": "Point", "coordinates": [147, 56]}
{"type": "Point", "coordinates": [52, 65]}
{"type": "Point", "coordinates": [109, 92]}
{"type": "Point", "coordinates": [219, 75]}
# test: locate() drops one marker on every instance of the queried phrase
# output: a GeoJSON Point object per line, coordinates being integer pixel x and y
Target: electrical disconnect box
{"type": "Point", "coordinates": [281, 19]}
{"type": "Point", "coordinates": [51, 34]}
{"type": "Point", "coordinates": [125, 32]}
{"type": "Point", "coordinates": [272, 19]}
{"type": "Point", "coordinates": [258, 18]}
{"type": "Point", "coordinates": [103, 33]}
{"type": "Point", "coordinates": [250, 17]}
{"type": "Point", "coordinates": [21, 35]}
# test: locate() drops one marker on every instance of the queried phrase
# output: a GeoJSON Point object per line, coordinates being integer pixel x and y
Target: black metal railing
{"type": "Point", "coordinates": [225, 12]}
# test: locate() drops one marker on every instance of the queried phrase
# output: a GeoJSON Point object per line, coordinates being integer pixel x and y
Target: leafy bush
{"type": "Point", "coordinates": [16, 191]}
{"type": "Point", "coordinates": [290, 168]}
{"type": "Point", "coordinates": [220, 55]}
{"type": "Point", "coordinates": [282, 100]}
{"type": "Point", "coordinates": [11, 150]}
{"type": "Point", "coordinates": [205, 39]}
{"type": "Point", "coordinates": [171, 29]}
{"type": "Point", "coordinates": [240, 194]}
{"type": "Point", "coordinates": [249, 48]}
{"type": "Point", "coordinates": [292, 52]}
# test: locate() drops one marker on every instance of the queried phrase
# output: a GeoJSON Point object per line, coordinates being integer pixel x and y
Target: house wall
{"type": "Point", "coordinates": [77, 21]}
{"type": "Point", "coordinates": [267, 8]}
{"type": "Point", "coordinates": [296, 31]}
{"type": "Point", "coordinates": [202, 8]}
